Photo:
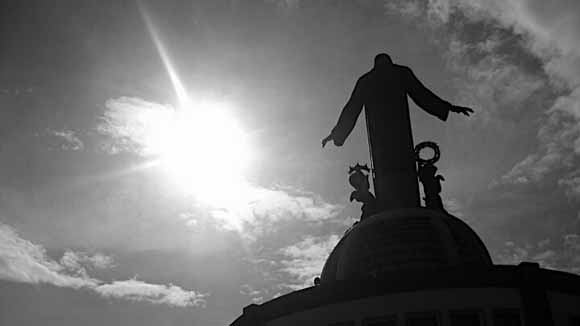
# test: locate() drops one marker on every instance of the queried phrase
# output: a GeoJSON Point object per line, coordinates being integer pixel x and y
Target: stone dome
{"type": "Point", "coordinates": [406, 240]}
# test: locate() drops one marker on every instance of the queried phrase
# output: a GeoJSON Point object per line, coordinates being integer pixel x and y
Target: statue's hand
{"type": "Point", "coordinates": [326, 140]}
{"type": "Point", "coordinates": [461, 109]}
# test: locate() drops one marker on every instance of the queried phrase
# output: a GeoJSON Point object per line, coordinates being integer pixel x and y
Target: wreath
{"type": "Point", "coordinates": [427, 144]}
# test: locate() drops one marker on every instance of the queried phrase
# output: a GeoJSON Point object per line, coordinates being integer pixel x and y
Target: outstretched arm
{"type": "Point", "coordinates": [428, 101]}
{"type": "Point", "coordinates": [347, 118]}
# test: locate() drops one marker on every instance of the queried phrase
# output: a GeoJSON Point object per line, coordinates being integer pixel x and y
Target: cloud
{"type": "Point", "coordinates": [551, 26]}
{"type": "Point", "coordinates": [571, 184]}
{"type": "Point", "coordinates": [273, 205]}
{"type": "Point", "coordinates": [454, 207]}
{"type": "Point", "coordinates": [488, 63]}
{"type": "Point", "coordinates": [25, 262]}
{"type": "Point", "coordinates": [563, 254]}
{"type": "Point", "coordinates": [411, 9]}
{"type": "Point", "coordinates": [287, 268]}
{"type": "Point", "coordinates": [552, 33]}
{"type": "Point", "coordinates": [305, 259]}
{"type": "Point", "coordinates": [257, 296]}
{"type": "Point", "coordinates": [128, 121]}
{"type": "Point", "coordinates": [518, 63]}
{"type": "Point", "coordinates": [245, 207]}
{"type": "Point", "coordinates": [538, 34]}
{"type": "Point", "coordinates": [259, 211]}
{"type": "Point", "coordinates": [282, 202]}
{"type": "Point", "coordinates": [67, 140]}
{"type": "Point", "coordinates": [247, 289]}
{"type": "Point", "coordinates": [155, 293]}
{"type": "Point", "coordinates": [557, 138]}
{"type": "Point", "coordinates": [493, 85]}
{"type": "Point", "coordinates": [77, 262]}
{"type": "Point", "coordinates": [558, 147]}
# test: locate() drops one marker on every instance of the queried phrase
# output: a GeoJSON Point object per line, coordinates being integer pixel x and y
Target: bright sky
{"type": "Point", "coordinates": [161, 161]}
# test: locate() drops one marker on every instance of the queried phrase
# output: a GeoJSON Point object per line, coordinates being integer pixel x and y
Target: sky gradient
{"type": "Point", "coordinates": [94, 231]}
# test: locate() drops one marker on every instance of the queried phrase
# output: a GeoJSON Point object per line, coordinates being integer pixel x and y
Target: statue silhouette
{"type": "Point", "coordinates": [360, 182]}
{"type": "Point", "coordinates": [383, 92]}
{"type": "Point", "coordinates": [428, 176]}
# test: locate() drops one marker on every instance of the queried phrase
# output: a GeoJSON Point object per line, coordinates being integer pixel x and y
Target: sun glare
{"type": "Point", "coordinates": [202, 148]}
{"type": "Point", "coordinates": [200, 145]}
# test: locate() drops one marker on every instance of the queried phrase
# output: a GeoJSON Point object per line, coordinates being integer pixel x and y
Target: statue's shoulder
{"type": "Point", "coordinates": [402, 69]}
{"type": "Point", "coordinates": [366, 76]}
{"type": "Point", "coordinates": [399, 70]}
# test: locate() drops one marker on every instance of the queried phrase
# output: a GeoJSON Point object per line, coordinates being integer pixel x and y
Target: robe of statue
{"type": "Point", "coordinates": [383, 92]}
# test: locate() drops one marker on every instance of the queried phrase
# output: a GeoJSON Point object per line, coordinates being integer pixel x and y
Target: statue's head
{"type": "Point", "coordinates": [359, 181]}
{"type": "Point", "coordinates": [382, 60]}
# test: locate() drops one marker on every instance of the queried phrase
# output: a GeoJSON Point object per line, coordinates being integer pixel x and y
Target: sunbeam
{"type": "Point", "coordinates": [199, 144]}
{"type": "Point", "coordinates": [180, 91]}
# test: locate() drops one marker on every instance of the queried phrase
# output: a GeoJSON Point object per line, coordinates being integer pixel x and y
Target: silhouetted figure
{"type": "Point", "coordinates": [428, 177]}
{"type": "Point", "coordinates": [383, 92]}
{"type": "Point", "coordinates": [362, 194]}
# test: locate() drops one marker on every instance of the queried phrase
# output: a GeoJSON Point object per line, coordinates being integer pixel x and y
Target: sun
{"type": "Point", "coordinates": [200, 144]}
{"type": "Point", "coordinates": [202, 148]}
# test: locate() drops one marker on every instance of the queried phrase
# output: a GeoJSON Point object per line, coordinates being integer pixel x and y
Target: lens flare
{"type": "Point", "coordinates": [180, 91]}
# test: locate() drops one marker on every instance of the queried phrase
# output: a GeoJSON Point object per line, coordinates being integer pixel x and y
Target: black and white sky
{"type": "Point", "coordinates": [160, 161]}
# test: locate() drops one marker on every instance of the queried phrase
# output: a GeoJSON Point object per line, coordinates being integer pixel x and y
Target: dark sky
{"type": "Point", "coordinates": [94, 230]}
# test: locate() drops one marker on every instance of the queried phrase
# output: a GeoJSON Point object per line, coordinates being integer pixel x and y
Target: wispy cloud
{"type": "Point", "coordinates": [263, 208]}
{"type": "Point", "coordinates": [491, 78]}
{"type": "Point", "coordinates": [557, 151]}
{"type": "Point", "coordinates": [257, 296]}
{"type": "Point", "coordinates": [78, 262]}
{"type": "Point", "coordinates": [155, 293]}
{"type": "Point", "coordinates": [551, 32]}
{"type": "Point", "coordinates": [491, 83]}
{"type": "Point", "coordinates": [290, 267]}
{"type": "Point", "coordinates": [528, 62]}
{"type": "Point", "coordinates": [244, 206]}
{"type": "Point", "coordinates": [304, 260]}
{"type": "Point", "coordinates": [412, 9]}
{"type": "Point", "coordinates": [563, 254]}
{"type": "Point", "coordinates": [65, 139]}
{"type": "Point", "coordinates": [454, 207]}
{"type": "Point", "coordinates": [128, 121]}
{"type": "Point", "coordinates": [518, 63]}
{"type": "Point", "coordinates": [25, 262]}
{"type": "Point", "coordinates": [571, 184]}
